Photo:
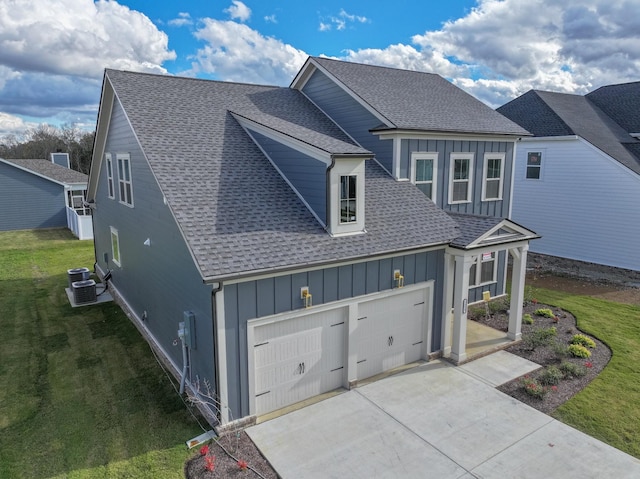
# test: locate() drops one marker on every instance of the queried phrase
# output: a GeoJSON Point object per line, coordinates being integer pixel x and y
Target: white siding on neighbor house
{"type": "Point", "coordinates": [585, 204]}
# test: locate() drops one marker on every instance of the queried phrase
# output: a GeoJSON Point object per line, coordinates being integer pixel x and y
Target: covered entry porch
{"type": "Point", "coordinates": [483, 236]}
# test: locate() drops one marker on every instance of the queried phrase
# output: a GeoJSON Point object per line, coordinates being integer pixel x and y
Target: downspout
{"type": "Point", "coordinates": [215, 343]}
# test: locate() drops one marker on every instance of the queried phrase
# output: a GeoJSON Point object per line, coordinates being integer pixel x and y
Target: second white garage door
{"type": "Point", "coordinates": [390, 332]}
{"type": "Point", "coordinates": [298, 358]}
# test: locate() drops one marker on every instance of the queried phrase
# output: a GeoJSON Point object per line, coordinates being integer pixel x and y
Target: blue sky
{"type": "Point", "coordinates": [53, 53]}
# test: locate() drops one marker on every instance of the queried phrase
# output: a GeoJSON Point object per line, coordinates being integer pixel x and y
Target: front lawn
{"type": "Point", "coordinates": [81, 395]}
{"type": "Point", "coordinates": [607, 408]}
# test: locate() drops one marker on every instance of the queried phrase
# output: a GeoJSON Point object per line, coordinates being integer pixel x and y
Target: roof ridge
{"type": "Point", "coordinates": [378, 66]}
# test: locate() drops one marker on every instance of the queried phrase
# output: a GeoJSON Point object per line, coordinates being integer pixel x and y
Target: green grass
{"type": "Point", "coordinates": [81, 394]}
{"type": "Point", "coordinates": [607, 408]}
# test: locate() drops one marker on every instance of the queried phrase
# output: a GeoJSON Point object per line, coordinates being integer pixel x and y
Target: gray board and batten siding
{"type": "Point", "coordinates": [444, 148]}
{"type": "Point", "coordinates": [281, 294]}
{"type": "Point", "coordinates": [306, 174]}
{"type": "Point", "coordinates": [145, 279]}
{"type": "Point", "coordinates": [30, 201]}
{"type": "Point", "coordinates": [350, 115]}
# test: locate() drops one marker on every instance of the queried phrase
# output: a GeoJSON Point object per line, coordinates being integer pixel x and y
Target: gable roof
{"type": "Point", "coordinates": [237, 214]}
{"type": "Point", "coordinates": [412, 100]}
{"type": "Point", "coordinates": [621, 102]}
{"type": "Point", "coordinates": [560, 114]}
{"type": "Point", "coordinates": [480, 231]}
{"type": "Point", "coordinates": [50, 171]}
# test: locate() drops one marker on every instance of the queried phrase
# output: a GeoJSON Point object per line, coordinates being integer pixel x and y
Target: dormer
{"type": "Point", "coordinates": [328, 175]}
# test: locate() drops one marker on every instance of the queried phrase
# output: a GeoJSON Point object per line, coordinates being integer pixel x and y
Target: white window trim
{"type": "Point", "coordinates": [478, 262]}
{"type": "Point", "coordinates": [452, 158]}
{"type": "Point", "coordinates": [111, 187]}
{"type": "Point", "coordinates": [115, 254]}
{"type": "Point", "coordinates": [424, 155]}
{"type": "Point", "coordinates": [347, 167]}
{"type": "Point", "coordinates": [526, 164]}
{"type": "Point", "coordinates": [124, 156]}
{"type": "Point", "coordinates": [487, 157]}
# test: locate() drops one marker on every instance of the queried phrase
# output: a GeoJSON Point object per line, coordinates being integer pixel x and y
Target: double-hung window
{"type": "Point", "coordinates": [483, 271]}
{"type": "Point", "coordinates": [492, 176]}
{"type": "Point", "coordinates": [110, 186]}
{"type": "Point", "coordinates": [348, 199]}
{"type": "Point", "coordinates": [424, 172]}
{"type": "Point", "coordinates": [460, 177]}
{"type": "Point", "coordinates": [124, 179]}
{"type": "Point", "coordinates": [534, 165]}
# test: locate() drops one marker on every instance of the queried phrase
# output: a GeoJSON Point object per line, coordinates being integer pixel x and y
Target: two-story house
{"type": "Point", "coordinates": [279, 243]}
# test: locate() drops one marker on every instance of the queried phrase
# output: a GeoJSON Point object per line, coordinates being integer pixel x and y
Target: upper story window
{"type": "Point", "coordinates": [492, 176]}
{"type": "Point", "coordinates": [460, 177]}
{"type": "Point", "coordinates": [534, 165]}
{"type": "Point", "coordinates": [483, 271]}
{"type": "Point", "coordinates": [115, 246]}
{"type": "Point", "coordinates": [424, 172]}
{"type": "Point", "coordinates": [124, 179]}
{"type": "Point", "coordinates": [348, 198]}
{"type": "Point", "coordinates": [110, 185]}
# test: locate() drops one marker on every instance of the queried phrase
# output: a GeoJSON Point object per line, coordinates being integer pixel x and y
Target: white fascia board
{"type": "Point", "coordinates": [306, 148]}
{"type": "Point", "coordinates": [435, 135]}
{"type": "Point", "coordinates": [303, 75]}
{"type": "Point", "coordinates": [102, 129]}
{"type": "Point", "coordinates": [521, 233]}
{"type": "Point", "coordinates": [550, 138]}
{"type": "Point", "coordinates": [635, 135]}
{"type": "Point", "coordinates": [301, 79]}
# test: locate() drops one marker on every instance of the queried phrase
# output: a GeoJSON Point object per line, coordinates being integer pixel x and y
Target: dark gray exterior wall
{"type": "Point", "coordinates": [478, 148]}
{"type": "Point", "coordinates": [307, 175]}
{"type": "Point", "coordinates": [349, 115]}
{"type": "Point", "coordinates": [29, 201]}
{"type": "Point", "coordinates": [161, 278]}
{"type": "Point", "coordinates": [255, 299]}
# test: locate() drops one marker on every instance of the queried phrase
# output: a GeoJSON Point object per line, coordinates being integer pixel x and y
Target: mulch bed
{"type": "Point", "coordinates": [242, 448]}
{"type": "Point", "coordinates": [546, 356]}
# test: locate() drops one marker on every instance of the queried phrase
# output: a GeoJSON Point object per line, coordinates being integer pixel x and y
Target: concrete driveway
{"type": "Point", "coordinates": [435, 420]}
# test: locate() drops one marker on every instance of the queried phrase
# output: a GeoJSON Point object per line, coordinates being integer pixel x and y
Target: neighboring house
{"type": "Point", "coordinates": [577, 181]}
{"type": "Point", "coordinates": [302, 239]}
{"type": "Point", "coordinates": [44, 194]}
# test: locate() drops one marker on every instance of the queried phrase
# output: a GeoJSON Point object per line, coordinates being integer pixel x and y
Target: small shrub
{"type": "Point", "coordinates": [528, 295]}
{"type": "Point", "coordinates": [583, 340]}
{"type": "Point", "coordinates": [572, 370]}
{"type": "Point", "coordinates": [476, 312]}
{"type": "Point", "coordinates": [527, 319]}
{"type": "Point", "coordinates": [540, 337]}
{"type": "Point", "coordinates": [533, 388]}
{"type": "Point", "coordinates": [496, 306]}
{"type": "Point", "coordinates": [579, 351]}
{"type": "Point", "coordinates": [560, 350]}
{"type": "Point", "coordinates": [550, 376]}
{"type": "Point", "coordinates": [544, 312]}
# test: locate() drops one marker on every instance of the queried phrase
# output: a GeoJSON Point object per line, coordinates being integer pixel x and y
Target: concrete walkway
{"type": "Point", "coordinates": [435, 420]}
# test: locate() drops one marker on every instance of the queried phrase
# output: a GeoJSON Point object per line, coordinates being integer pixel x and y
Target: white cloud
{"type": "Point", "coordinates": [340, 21]}
{"type": "Point", "coordinates": [13, 125]}
{"type": "Point", "coordinates": [236, 52]}
{"type": "Point", "coordinates": [238, 11]}
{"type": "Point", "coordinates": [79, 37]}
{"type": "Point", "coordinates": [271, 18]}
{"type": "Point", "coordinates": [183, 19]}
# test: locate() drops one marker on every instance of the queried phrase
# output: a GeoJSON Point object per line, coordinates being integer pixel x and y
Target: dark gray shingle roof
{"type": "Point", "coordinates": [52, 171]}
{"type": "Point", "coordinates": [419, 101]}
{"type": "Point", "coordinates": [558, 114]}
{"type": "Point", "coordinates": [246, 219]}
{"type": "Point", "coordinates": [472, 227]}
{"type": "Point", "coordinates": [621, 102]}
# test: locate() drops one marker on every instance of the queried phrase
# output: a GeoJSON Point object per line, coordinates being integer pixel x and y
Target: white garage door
{"type": "Point", "coordinates": [298, 358]}
{"type": "Point", "coordinates": [390, 332]}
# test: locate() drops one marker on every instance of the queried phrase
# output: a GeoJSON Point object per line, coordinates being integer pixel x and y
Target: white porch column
{"type": "Point", "coordinates": [517, 291]}
{"type": "Point", "coordinates": [460, 300]}
{"type": "Point", "coordinates": [447, 316]}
